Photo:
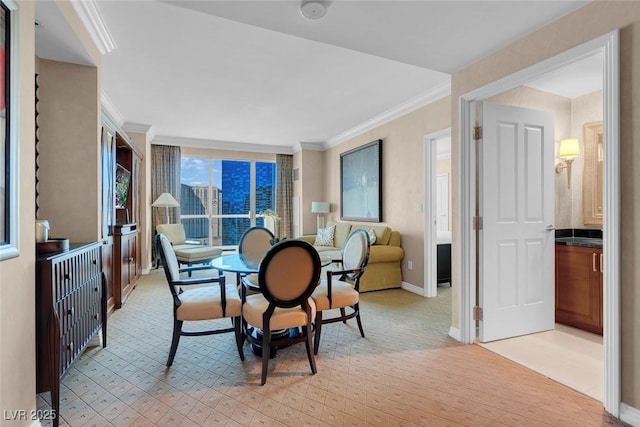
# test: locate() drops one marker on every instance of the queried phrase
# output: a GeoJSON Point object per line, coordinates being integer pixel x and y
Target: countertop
{"type": "Point", "coordinates": [586, 242]}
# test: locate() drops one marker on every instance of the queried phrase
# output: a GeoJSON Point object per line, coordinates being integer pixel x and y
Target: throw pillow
{"type": "Point", "coordinates": [372, 236]}
{"type": "Point", "coordinates": [325, 236]}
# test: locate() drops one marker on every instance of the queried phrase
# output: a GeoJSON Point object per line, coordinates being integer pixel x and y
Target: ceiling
{"type": "Point", "coordinates": [257, 75]}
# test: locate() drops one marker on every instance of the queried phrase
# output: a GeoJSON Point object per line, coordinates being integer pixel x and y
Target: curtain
{"type": "Point", "coordinates": [284, 194]}
{"type": "Point", "coordinates": [165, 178]}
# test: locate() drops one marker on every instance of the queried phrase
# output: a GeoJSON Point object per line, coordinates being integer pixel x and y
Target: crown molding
{"type": "Point", "coordinates": [313, 146]}
{"type": "Point", "coordinates": [220, 145]}
{"type": "Point", "coordinates": [413, 104]}
{"type": "Point", "coordinates": [111, 110]}
{"type": "Point", "coordinates": [141, 128]}
{"type": "Point", "coordinates": [91, 18]}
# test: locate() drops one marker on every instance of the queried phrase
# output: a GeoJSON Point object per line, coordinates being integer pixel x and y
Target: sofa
{"type": "Point", "coordinates": [384, 270]}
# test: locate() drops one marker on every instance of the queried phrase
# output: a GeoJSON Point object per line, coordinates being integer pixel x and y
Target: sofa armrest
{"type": "Point", "coordinates": [310, 238]}
{"type": "Point", "coordinates": [385, 253]}
{"type": "Point", "coordinates": [394, 240]}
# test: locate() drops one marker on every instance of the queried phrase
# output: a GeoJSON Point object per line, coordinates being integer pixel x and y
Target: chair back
{"type": "Point", "coordinates": [255, 242]}
{"type": "Point", "coordinates": [289, 273]}
{"type": "Point", "coordinates": [168, 258]}
{"type": "Point", "coordinates": [174, 232]}
{"type": "Point", "coordinates": [355, 254]}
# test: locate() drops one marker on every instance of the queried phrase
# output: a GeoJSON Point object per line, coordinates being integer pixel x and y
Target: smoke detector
{"type": "Point", "coordinates": [313, 9]}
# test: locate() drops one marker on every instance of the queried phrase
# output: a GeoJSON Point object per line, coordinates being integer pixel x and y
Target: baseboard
{"type": "Point", "coordinates": [455, 333]}
{"type": "Point", "coordinates": [630, 415]}
{"type": "Point", "coordinates": [413, 288]}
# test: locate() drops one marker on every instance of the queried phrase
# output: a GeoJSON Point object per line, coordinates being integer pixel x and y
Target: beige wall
{"type": "Point", "coordinates": [593, 20]}
{"type": "Point", "coordinates": [69, 150]}
{"type": "Point", "coordinates": [312, 190]}
{"type": "Point", "coordinates": [402, 177]}
{"type": "Point", "coordinates": [443, 167]}
{"type": "Point", "coordinates": [17, 275]}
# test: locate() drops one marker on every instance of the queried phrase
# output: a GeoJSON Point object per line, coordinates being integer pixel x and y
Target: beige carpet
{"type": "Point", "coordinates": [406, 372]}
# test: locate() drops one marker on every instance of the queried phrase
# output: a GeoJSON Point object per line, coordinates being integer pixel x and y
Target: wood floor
{"type": "Point", "coordinates": [406, 372]}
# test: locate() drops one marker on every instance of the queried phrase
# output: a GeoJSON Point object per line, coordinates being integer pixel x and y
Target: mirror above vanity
{"type": "Point", "coordinates": [592, 174]}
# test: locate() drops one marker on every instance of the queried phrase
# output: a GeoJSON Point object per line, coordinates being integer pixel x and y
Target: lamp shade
{"type": "Point", "coordinates": [569, 148]}
{"type": "Point", "coordinates": [320, 207]}
{"type": "Point", "coordinates": [165, 200]}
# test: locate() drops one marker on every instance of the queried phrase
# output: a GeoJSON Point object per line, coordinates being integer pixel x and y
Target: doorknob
{"type": "Point", "coordinates": [550, 228]}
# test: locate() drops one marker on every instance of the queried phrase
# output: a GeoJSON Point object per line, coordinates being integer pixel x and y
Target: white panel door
{"type": "Point", "coordinates": [442, 203]}
{"type": "Point", "coordinates": [517, 206]}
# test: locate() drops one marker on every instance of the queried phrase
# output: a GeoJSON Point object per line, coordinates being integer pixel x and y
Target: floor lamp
{"type": "Point", "coordinates": [167, 201]}
{"type": "Point", "coordinates": [320, 208]}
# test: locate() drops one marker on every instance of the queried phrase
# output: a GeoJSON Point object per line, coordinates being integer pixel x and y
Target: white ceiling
{"type": "Point", "coordinates": [223, 73]}
{"type": "Point", "coordinates": [574, 80]}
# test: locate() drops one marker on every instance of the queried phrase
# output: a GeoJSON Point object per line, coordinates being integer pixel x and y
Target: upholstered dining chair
{"type": "Point", "coordinates": [343, 293]}
{"type": "Point", "coordinates": [217, 301]}
{"type": "Point", "coordinates": [288, 274]}
{"type": "Point", "coordinates": [254, 243]}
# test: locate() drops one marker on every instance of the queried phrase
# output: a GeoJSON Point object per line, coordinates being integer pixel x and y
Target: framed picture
{"type": "Point", "coordinates": [9, 172]}
{"type": "Point", "coordinates": [361, 183]}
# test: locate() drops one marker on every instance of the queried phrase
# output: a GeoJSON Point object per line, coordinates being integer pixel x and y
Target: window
{"type": "Point", "coordinates": [221, 199]}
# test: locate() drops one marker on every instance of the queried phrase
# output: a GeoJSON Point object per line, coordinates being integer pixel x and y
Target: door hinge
{"type": "Point", "coordinates": [477, 223]}
{"type": "Point", "coordinates": [477, 313]}
{"type": "Point", "coordinates": [477, 133]}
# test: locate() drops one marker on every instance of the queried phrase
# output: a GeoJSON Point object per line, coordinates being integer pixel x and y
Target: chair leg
{"type": "Point", "coordinates": [316, 339]}
{"type": "Point", "coordinates": [177, 328]}
{"type": "Point", "coordinates": [309, 345]}
{"type": "Point", "coordinates": [266, 353]}
{"type": "Point", "coordinates": [356, 307]}
{"type": "Point", "coordinates": [343, 313]}
{"type": "Point", "coordinates": [237, 323]}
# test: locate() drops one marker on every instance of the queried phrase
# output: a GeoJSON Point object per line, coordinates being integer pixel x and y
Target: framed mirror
{"type": "Point", "coordinates": [592, 174]}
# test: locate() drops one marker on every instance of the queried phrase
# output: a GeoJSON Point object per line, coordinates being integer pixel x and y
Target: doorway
{"type": "Point", "coordinates": [437, 218]}
{"type": "Point", "coordinates": [608, 46]}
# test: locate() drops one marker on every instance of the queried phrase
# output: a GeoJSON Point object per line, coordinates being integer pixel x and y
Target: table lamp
{"type": "Point", "coordinates": [167, 201]}
{"type": "Point", "coordinates": [320, 208]}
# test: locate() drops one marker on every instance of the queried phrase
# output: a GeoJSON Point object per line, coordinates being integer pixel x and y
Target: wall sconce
{"type": "Point", "coordinates": [569, 149]}
{"type": "Point", "coordinates": [320, 208]}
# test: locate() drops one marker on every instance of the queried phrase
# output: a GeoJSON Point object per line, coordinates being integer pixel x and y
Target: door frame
{"type": "Point", "coordinates": [430, 215]}
{"type": "Point", "coordinates": [607, 44]}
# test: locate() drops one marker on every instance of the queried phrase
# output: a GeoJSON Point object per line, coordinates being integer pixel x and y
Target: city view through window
{"type": "Point", "coordinates": [221, 199]}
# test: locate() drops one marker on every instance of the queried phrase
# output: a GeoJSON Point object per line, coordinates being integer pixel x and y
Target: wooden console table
{"type": "Point", "coordinates": [70, 310]}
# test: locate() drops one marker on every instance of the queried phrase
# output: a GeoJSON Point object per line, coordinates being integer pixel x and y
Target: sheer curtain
{"type": "Point", "coordinates": [165, 178]}
{"type": "Point", "coordinates": [284, 193]}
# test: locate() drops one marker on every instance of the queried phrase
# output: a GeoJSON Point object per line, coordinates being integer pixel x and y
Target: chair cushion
{"type": "Point", "coordinates": [199, 253]}
{"type": "Point", "coordinates": [174, 232]}
{"type": "Point", "coordinates": [205, 303]}
{"type": "Point", "coordinates": [282, 318]}
{"type": "Point", "coordinates": [342, 295]}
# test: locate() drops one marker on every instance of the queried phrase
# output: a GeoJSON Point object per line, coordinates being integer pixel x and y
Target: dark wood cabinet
{"type": "Point", "coordinates": [125, 261]}
{"type": "Point", "coordinates": [121, 246]}
{"type": "Point", "coordinates": [70, 311]}
{"type": "Point", "coordinates": [579, 287]}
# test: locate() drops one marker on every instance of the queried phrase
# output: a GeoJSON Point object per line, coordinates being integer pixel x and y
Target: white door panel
{"type": "Point", "coordinates": [442, 202]}
{"type": "Point", "coordinates": [517, 252]}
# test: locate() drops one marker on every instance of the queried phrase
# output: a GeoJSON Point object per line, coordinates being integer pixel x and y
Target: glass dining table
{"type": "Point", "coordinates": [243, 265]}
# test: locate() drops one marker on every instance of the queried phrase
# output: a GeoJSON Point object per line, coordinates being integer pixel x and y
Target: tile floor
{"type": "Point", "coordinates": [407, 372]}
{"type": "Point", "coordinates": [568, 355]}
